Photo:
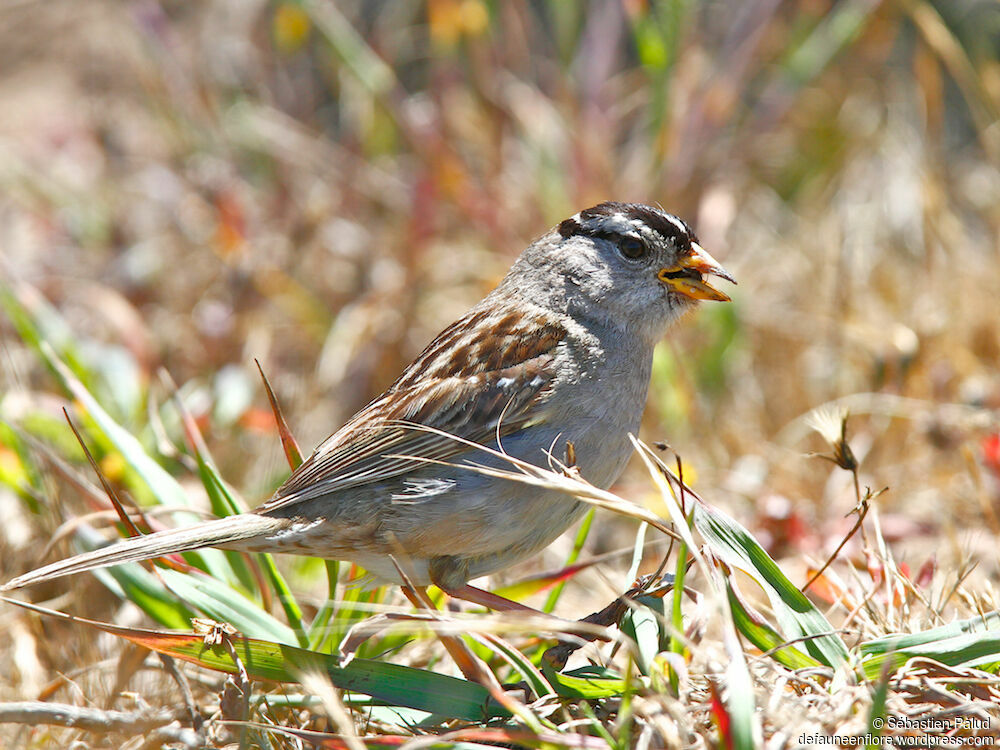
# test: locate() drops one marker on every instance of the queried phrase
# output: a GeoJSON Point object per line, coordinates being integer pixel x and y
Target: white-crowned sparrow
{"type": "Point", "coordinates": [560, 351]}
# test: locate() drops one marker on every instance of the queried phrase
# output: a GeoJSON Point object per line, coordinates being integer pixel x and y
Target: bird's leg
{"type": "Point", "coordinates": [451, 575]}
{"type": "Point", "coordinates": [475, 595]}
{"type": "Point", "coordinates": [459, 652]}
{"type": "Point", "coordinates": [416, 595]}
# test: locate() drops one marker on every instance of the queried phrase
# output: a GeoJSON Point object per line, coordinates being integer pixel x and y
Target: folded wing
{"type": "Point", "coordinates": [485, 375]}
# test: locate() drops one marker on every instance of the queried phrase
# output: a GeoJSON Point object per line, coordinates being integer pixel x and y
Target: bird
{"type": "Point", "coordinates": [557, 356]}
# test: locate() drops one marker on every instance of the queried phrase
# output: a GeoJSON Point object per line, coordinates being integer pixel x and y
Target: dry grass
{"type": "Point", "coordinates": [323, 187]}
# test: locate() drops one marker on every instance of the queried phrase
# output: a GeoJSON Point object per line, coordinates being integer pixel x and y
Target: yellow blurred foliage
{"type": "Point", "coordinates": [290, 27]}
{"type": "Point", "coordinates": [451, 19]}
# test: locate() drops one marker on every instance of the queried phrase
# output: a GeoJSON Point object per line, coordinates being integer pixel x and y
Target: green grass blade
{"type": "Point", "coordinates": [587, 683]}
{"type": "Point", "coordinates": [224, 504]}
{"type": "Point", "coordinates": [352, 609]}
{"type": "Point", "coordinates": [676, 643]}
{"type": "Point", "coordinates": [796, 615]}
{"type": "Point", "coordinates": [391, 684]}
{"type": "Point", "coordinates": [878, 710]}
{"type": "Point", "coordinates": [574, 554]}
{"type": "Point", "coordinates": [145, 591]}
{"type": "Point", "coordinates": [215, 485]}
{"type": "Point", "coordinates": [834, 33]}
{"type": "Point", "coordinates": [971, 642]}
{"type": "Point", "coordinates": [224, 604]}
{"type": "Point", "coordinates": [987, 622]}
{"type": "Point", "coordinates": [528, 671]}
{"type": "Point", "coordinates": [643, 624]}
{"type": "Point", "coordinates": [351, 48]}
{"type": "Point", "coordinates": [17, 466]}
{"type": "Point", "coordinates": [319, 624]}
{"type": "Point", "coordinates": [37, 322]}
{"type": "Point", "coordinates": [149, 478]}
{"type": "Point", "coordinates": [974, 650]}
{"type": "Point", "coordinates": [740, 703]}
{"type": "Point", "coordinates": [163, 487]}
{"type": "Point", "coordinates": [764, 637]}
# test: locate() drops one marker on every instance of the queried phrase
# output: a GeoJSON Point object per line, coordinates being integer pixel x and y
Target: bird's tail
{"type": "Point", "coordinates": [222, 532]}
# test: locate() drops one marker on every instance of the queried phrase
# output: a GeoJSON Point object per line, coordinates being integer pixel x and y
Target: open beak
{"type": "Point", "coordinates": [686, 277]}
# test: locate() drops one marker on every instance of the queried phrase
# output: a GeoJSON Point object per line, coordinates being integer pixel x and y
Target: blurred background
{"type": "Point", "coordinates": [323, 186]}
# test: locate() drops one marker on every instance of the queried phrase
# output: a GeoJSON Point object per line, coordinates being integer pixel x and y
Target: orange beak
{"type": "Point", "coordinates": [686, 277]}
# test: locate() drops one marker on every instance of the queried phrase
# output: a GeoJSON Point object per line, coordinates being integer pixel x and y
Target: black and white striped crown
{"type": "Point", "coordinates": [612, 219]}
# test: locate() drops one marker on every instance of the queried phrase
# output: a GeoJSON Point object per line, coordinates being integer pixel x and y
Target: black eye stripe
{"type": "Point", "coordinates": [629, 246]}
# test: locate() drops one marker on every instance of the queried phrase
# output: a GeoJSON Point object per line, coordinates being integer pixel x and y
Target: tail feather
{"type": "Point", "coordinates": [222, 532]}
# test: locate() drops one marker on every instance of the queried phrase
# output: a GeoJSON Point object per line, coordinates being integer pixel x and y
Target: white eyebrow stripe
{"type": "Point", "coordinates": [677, 223]}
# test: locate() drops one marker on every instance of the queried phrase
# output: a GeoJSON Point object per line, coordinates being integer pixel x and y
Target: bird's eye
{"type": "Point", "coordinates": [632, 247]}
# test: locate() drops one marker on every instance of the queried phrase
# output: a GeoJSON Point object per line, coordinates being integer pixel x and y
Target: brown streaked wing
{"type": "Point", "coordinates": [463, 393]}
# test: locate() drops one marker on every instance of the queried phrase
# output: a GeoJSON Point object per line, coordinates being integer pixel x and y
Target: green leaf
{"type": "Point", "coordinates": [587, 683]}
{"type": "Point", "coordinates": [36, 321]}
{"type": "Point", "coordinates": [797, 617]}
{"type": "Point", "coordinates": [878, 710]}
{"type": "Point", "coordinates": [17, 467]}
{"type": "Point", "coordinates": [150, 477]}
{"type": "Point", "coordinates": [832, 34]}
{"type": "Point", "coordinates": [224, 604]}
{"type": "Point", "coordinates": [318, 626]}
{"type": "Point", "coordinates": [143, 589]}
{"type": "Point", "coordinates": [354, 606]}
{"type": "Point", "coordinates": [579, 540]}
{"type": "Point", "coordinates": [643, 624]}
{"type": "Point", "coordinates": [740, 702]}
{"type": "Point", "coordinates": [528, 671]}
{"type": "Point", "coordinates": [764, 637]}
{"type": "Point", "coordinates": [136, 584]}
{"type": "Point", "coordinates": [676, 644]}
{"type": "Point", "coordinates": [974, 650]}
{"type": "Point", "coordinates": [224, 502]}
{"type": "Point", "coordinates": [971, 642]}
{"type": "Point", "coordinates": [391, 684]}
{"type": "Point", "coordinates": [988, 622]}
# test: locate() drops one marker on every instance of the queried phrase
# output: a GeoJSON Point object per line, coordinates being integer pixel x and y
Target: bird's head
{"type": "Point", "coordinates": [635, 265]}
